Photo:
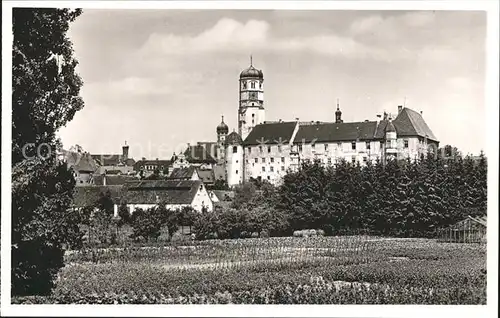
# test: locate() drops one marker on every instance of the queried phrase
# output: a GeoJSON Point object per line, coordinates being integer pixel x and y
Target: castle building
{"type": "Point", "coordinates": [266, 150]}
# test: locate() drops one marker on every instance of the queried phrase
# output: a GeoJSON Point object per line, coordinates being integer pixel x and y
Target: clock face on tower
{"type": "Point", "coordinates": [253, 95]}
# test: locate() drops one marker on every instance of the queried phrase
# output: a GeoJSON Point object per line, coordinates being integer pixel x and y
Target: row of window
{"type": "Point", "coordinates": [252, 85]}
{"type": "Point", "coordinates": [151, 167]}
{"type": "Point", "coordinates": [313, 146]}
{"type": "Point", "coordinates": [271, 159]}
{"type": "Point", "coordinates": [271, 169]}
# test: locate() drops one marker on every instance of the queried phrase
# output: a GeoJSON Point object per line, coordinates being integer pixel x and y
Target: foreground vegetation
{"type": "Point", "coordinates": [372, 271]}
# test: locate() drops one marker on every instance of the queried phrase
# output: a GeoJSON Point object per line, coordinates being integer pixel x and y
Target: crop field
{"type": "Point", "coordinates": [316, 270]}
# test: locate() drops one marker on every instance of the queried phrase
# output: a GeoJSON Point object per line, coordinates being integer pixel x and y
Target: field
{"type": "Point", "coordinates": [316, 270]}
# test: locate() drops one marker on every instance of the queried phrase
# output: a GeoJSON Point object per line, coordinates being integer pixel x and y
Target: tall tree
{"type": "Point", "coordinates": [45, 96]}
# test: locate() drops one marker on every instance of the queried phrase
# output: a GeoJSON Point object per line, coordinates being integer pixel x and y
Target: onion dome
{"type": "Point", "coordinates": [222, 128]}
{"type": "Point", "coordinates": [390, 127]}
{"type": "Point", "coordinates": [251, 72]}
{"type": "Point", "coordinates": [234, 139]}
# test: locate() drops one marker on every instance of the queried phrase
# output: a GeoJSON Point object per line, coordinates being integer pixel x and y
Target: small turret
{"type": "Point", "coordinates": [222, 131]}
{"type": "Point", "coordinates": [222, 128]}
{"type": "Point", "coordinates": [338, 114]}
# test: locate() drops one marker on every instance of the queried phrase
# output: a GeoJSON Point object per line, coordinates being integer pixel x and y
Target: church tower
{"type": "Point", "coordinates": [222, 131]}
{"type": "Point", "coordinates": [251, 109]}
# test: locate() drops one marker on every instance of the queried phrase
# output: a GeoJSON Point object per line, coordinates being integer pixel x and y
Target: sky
{"type": "Point", "coordinates": [159, 79]}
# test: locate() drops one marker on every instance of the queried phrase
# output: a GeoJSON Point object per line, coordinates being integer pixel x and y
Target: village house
{"type": "Point", "coordinates": [145, 194]}
{"type": "Point", "coordinates": [148, 167]}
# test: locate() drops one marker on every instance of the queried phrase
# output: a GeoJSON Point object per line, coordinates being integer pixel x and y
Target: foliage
{"type": "Point", "coordinates": [401, 198]}
{"type": "Point", "coordinates": [44, 98]}
{"type": "Point", "coordinates": [433, 274]}
{"type": "Point", "coordinates": [100, 223]}
{"type": "Point", "coordinates": [124, 214]}
{"type": "Point", "coordinates": [219, 184]}
{"type": "Point", "coordinates": [146, 224]}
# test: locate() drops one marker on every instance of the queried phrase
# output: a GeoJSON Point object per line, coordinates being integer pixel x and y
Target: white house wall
{"type": "Point", "coordinates": [202, 199]}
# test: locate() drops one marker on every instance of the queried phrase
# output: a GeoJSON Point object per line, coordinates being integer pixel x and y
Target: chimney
{"type": "Point", "coordinates": [400, 108]}
{"type": "Point", "coordinates": [143, 158]}
{"type": "Point", "coordinates": [125, 151]}
{"type": "Point", "coordinates": [385, 116]}
{"type": "Point", "coordinates": [421, 113]}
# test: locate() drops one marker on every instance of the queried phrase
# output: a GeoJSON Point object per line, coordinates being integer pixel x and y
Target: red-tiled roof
{"type": "Point", "coordinates": [224, 195]}
{"type": "Point", "coordinates": [153, 192]}
{"type": "Point", "coordinates": [88, 195]}
{"type": "Point", "coordinates": [270, 133]}
{"type": "Point", "coordinates": [199, 154]}
{"type": "Point", "coordinates": [82, 162]}
{"type": "Point", "coordinates": [324, 132]}
{"type": "Point", "coordinates": [207, 176]}
{"type": "Point", "coordinates": [410, 123]}
{"type": "Point", "coordinates": [234, 139]}
{"type": "Point", "coordinates": [162, 184]}
{"type": "Point", "coordinates": [113, 179]}
{"type": "Point", "coordinates": [182, 173]}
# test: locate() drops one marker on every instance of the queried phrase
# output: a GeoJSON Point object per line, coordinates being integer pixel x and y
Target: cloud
{"type": "Point", "coordinates": [229, 35]}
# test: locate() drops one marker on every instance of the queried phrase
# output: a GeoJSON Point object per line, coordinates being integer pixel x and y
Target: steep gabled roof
{"type": "Point", "coordinates": [234, 139]}
{"type": "Point", "coordinates": [198, 154]}
{"type": "Point", "coordinates": [81, 162]}
{"type": "Point", "coordinates": [270, 133]}
{"type": "Point", "coordinates": [182, 173]}
{"type": "Point", "coordinates": [88, 195]}
{"type": "Point", "coordinates": [156, 191]}
{"type": "Point", "coordinates": [223, 195]}
{"type": "Point", "coordinates": [410, 123]}
{"type": "Point", "coordinates": [332, 132]}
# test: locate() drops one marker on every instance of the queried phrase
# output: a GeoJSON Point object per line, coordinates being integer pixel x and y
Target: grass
{"type": "Point", "coordinates": [277, 270]}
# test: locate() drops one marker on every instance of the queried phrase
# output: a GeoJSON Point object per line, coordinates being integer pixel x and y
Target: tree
{"type": "Point", "coordinates": [243, 194]}
{"type": "Point", "coordinates": [220, 184]}
{"type": "Point", "coordinates": [124, 214]}
{"type": "Point", "coordinates": [100, 230]}
{"type": "Point", "coordinates": [146, 224]}
{"type": "Point", "coordinates": [45, 86]}
{"type": "Point", "coordinates": [45, 96]}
